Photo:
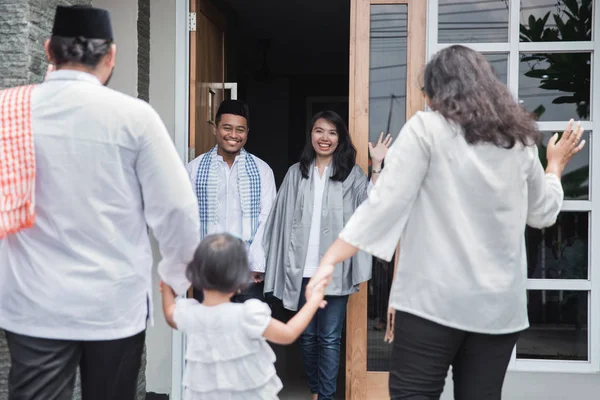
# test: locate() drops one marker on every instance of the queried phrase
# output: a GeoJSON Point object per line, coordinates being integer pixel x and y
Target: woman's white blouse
{"type": "Point", "coordinates": [314, 238]}
{"type": "Point", "coordinates": [459, 212]}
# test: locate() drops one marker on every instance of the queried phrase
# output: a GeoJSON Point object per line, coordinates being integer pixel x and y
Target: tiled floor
{"type": "Point", "coordinates": [291, 371]}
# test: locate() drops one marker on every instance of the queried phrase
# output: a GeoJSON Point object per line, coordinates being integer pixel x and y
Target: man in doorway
{"type": "Point", "coordinates": [235, 190]}
{"type": "Point", "coordinates": [76, 275]}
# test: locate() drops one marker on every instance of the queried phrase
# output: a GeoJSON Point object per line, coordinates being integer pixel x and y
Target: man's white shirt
{"type": "Point", "coordinates": [106, 169]}
{"type": "Point", "coordinates": [229, 204]}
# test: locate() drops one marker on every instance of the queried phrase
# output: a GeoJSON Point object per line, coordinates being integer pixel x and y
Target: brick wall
{"type": "Point", "coordinates": [14, 16]}
{"type": "Point", "coordinates": [24, 26]}
{"type": "Point", "coordinates": [143, 87]}
{"type": "Point", "coordinates": [143, 56]}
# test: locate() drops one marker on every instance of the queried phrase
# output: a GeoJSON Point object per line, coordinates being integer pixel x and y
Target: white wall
{"type": "Point", "coordinates": [543, 386]}
{"type": "Point", "coordinates": [162, 98]}
{"type": "Point", "coordinates": [550, 386]}
{"type": "Point", "coordinates": [123, 14]}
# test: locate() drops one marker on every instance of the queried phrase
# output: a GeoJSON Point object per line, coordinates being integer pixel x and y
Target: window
{"type": "Point", "coordinates": [546, 53]}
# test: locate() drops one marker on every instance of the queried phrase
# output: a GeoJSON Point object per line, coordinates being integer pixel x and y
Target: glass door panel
{"type": "Point", "coordinates": [387, 113]}
{"type": "Point", "coordinates": [384, 92]}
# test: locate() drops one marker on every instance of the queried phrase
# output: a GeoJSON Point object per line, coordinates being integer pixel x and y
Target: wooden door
{"type": "Point", "coordinates": [207, 74]}
{"type": "Point", "coordinates": [387, 54]}
{"type": "Point", "coordinates": [207, 77]}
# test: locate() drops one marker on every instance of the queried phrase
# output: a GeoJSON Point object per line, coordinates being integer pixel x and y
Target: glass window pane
{"type": "Point", "coordinates": [499, 61]}
{"type": "Point", "coordinates": [470, 21]}
{"type": "Point", "coordinates": [575, 178]}
{"type": "Point", "coordinates": [553, 21]}
{"type": "Point", "coordinates": [555, 86]}
{"type": "Point", "coordinates": [387, 70]}
{"type": "Point", "coordinates": [387, 113]}
{"type": "Point", "coordinates": [378, 351]}
{"type": "Point", "coordinates": [561, 251]}
{"type": "Point", "coordinates": [559, 326]}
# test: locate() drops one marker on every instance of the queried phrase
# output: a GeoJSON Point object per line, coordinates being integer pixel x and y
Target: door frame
{"type": "Point", "coordinates": [182, 77]}
{"type": "Point", "coordinates": [185, 39]}
{"type": "Point", "coordinates": [181, 139]}
{"type": "Point", "coordinates": [359, 381]}
{"type": "Point", "coordinates": [185, 123]}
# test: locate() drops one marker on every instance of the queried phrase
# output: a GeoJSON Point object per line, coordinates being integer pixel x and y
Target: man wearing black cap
{"type": "Point", "coordinates": [75, 289]}
{"type": "Point", "coordinates": [235, 189]}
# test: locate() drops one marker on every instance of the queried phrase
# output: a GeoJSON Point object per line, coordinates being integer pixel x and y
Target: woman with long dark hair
{"type": "Point", "coordinates": [459, 185]}
{"type": "Point", "coordinates": [316, 199]}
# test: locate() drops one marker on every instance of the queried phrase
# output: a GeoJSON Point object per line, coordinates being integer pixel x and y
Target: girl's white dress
{"type": "Point", "coordinates": [227, 357]}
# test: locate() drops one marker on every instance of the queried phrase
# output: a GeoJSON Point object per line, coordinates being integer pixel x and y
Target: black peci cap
{"type": "Point", "coordinates": [84, 21]}
{"type": "Point", "coordinates": [235, 107]}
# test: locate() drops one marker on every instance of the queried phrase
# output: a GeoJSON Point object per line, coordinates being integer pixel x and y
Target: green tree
{"type": "Point", "coordinates": [568, 73]}
{"type": "Point", "coordinates": [565, 72]}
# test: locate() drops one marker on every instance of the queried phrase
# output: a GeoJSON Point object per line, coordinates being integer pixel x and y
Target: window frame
{"type": "Point", "coordinates": [513, 47]}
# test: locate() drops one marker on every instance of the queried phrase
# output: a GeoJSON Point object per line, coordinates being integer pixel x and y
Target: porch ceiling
{"type": "Point", "coordinates": [291, 20]}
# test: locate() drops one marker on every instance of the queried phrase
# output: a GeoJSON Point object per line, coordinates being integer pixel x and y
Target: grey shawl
{"type": "Point", "coordinates": [287, 230]}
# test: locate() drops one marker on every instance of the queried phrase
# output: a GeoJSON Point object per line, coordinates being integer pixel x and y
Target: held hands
{"type": "Point", "coordinates": [379, 151]}
{"type": "Point", "coordinates": [165, 289]}
{"type": "Point", "coordinates": [168, 303]}
{"type": "Point", "coordinates": [560, 151]}
{"type": "Point", "coordinates": [321, 278]}
{"type": "Point", "coordinates": [317, 294]}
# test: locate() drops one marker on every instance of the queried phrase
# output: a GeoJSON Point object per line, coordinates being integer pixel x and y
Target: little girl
{"type": "Point", "coordinates": [227, 355]}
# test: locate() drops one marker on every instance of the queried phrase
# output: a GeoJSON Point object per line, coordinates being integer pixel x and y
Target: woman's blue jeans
{"type": "Point", "coordinates": [321, 343]}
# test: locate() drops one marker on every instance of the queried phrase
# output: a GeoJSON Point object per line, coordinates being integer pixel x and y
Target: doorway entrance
{"type": "Point", "coordinates": [384, 93]}
{"type": "Point", "coordinates": [289, 60]}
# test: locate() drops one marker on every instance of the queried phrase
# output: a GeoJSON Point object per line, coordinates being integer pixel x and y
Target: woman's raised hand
{"type": "Point", "coordinates": [560, 151]}
{"type": "Point", "coordinates": [380, 149]}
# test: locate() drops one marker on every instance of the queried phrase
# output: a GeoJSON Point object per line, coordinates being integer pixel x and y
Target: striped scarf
{"type": "Point", "coordinates": [207, 184]}
{"type": "Point", "coordinates": [17, 161]}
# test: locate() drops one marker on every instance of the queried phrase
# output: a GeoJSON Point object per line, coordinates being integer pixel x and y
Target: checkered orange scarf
{"type": "Point", "coordinates": [17, 161]}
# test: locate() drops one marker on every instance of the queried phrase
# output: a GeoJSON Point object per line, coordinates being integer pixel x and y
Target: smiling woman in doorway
{"type": "Point", "coordinates": [316, 199]}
